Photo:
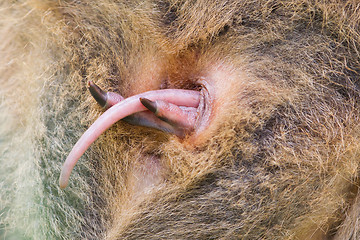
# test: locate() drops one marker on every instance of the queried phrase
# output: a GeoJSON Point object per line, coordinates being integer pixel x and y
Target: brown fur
{"type": "Point", "coordinates": [279, 160]}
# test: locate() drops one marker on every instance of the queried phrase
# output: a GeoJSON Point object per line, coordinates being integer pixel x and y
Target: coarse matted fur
{"type": "Point", "coordinates": [279, 160]}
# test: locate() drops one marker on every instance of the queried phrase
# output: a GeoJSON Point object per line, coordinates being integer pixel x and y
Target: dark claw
{"type": "Point", "coordinates": [181, 119]}
{"type": "Point", "coordinates": [99, 95]}
{"type": "Point", "coordinates": [149, 104]}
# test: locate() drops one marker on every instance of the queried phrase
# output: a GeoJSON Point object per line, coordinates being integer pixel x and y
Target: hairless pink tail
{"type": "Point", "coordinates": [131, 105]}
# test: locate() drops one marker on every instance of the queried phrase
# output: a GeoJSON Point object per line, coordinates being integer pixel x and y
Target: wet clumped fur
{"type": "Point", "coordinates": [279, 158]}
